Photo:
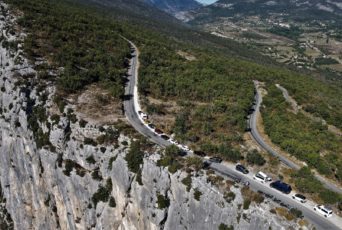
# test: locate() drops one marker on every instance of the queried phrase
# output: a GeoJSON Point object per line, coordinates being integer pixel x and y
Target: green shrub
{"type": "Point", "coordinates": [112, 202]}
{"type": "Point", "coordinates": [163, 201]}
{"type": "Point", "coordinates": [187, 181]}
{"type": "Point", "coordinates": [229, 196]}
{"type": "Point", "coordinates": [297, 213]}
{"type": "Point", "coordinates": [135, 157]}
{"type": "Point", "coordinates": [91, 159]}
{"type": "Point", "coordinates": [255, 158]}
{"type": "Point", "coordinates": [69, 166]}
{"type": "Point", "coordinates": [110, 163]}
{"type": "Point", "coordinates": [83, 123]}
{"type": "Point", "coordinates": [225, 227]}
{"type": "Point", "coordinates": [89, 141]}
{"type": "Point", "coordinates": [102, 194]}
{"type": "Point", "coordinates": [96, 175]}
{"type": "Point", "coordinates": [197, 194]}
{"type": "Point", "coordinates": [246, 204]}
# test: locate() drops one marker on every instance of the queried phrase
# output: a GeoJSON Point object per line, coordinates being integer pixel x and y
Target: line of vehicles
{"type": "Point", "coordinates": [162, 135]}
{"type": "Point", "coordinates": [259, 176]}
{"type": "Point", "coordinates": [284, 188]}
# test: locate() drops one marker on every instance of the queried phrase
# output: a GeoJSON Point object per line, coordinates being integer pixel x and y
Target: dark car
{"type": "Point", "coordinates": [158, 131]}
{"type": "Point", "coordinates": [165, 137]}
{"type": "Point", "coordinates": [251, 110]}
{"type": "Point", "coordinates": [215, 159]}
{"type": "Point", "coordinates": [248, 130]}
{"type": "Point", "coordinates": [200, 153]}
{"type": "Point", "coordinates": [182, 153]}
{"type": "Point", "coordinates": [206, 165]}
{"type": "Point", "coordinates": [281, 186]}
{"type": "Point", "coordinates": [242, 169]}
{"type": "Point", "coordinates": [152, 126]}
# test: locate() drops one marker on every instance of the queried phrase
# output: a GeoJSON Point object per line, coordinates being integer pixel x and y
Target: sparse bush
{"type": "Point", "coordinates": [112, 202]}
{"type": "Point", "coordinates": [96, 175]}
{"type": "Point", "coordinates": [297, 213]}
{"type": "Point", "coordinates": [163, 201]}
{"type": "Point", "coordinates": [89, 141]}
{"type": "Point", "coordinates": [91, 159]}
{"type": "Point", "coordinates": [225, 227]}
{"type": "Point", "coordinates": [229, 196]}
{"type": "Point", "coordinates": [83, 123]}
{"type": "Point", "coordinates": [197, 194]}
{"type": "Point", "coordinates": [69, 166]}
{"type": "Point", "coordinates": [110, 163]}
{"type": "Point", "coordinates": [187, 181]}
{"type": "Point", "coordinates": [135, 157]}
{"type": "Point", "coordinates": [255, 158]}
{"type": "Point", "coordinates": [246, 204]}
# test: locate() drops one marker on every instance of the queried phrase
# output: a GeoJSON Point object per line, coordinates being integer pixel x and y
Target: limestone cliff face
{"type": "Point", "coordinates": [53, 187]}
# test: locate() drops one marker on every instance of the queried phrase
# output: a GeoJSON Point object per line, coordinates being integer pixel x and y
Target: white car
{"type": "Point", "coordinates": [184, 147]}
{"type": "Point", "coordinates": [299, 197]}
{"type": "Point", "coordinates": [174, 142]}
{"type": "Point", "coordinates": [323, 210]}
{"type": "Point", "coordinates": [262, 177]}
{"type": "Point", "coordinates": [143, 115]}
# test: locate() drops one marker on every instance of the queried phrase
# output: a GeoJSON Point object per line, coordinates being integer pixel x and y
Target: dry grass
{"type": "Point", "coordinates": [186, 55]}
{"type": "Point", "coordinates": [283, 212]}
{"type": "Point", "coordinates": [251, 195]}
{"type": "Point", "coordinates": [96, 105]}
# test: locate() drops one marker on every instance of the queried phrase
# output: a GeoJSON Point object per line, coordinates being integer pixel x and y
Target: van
{"type": "Point", "coordinates": [260, 176]}
{"type": "Point", "coordinates": [326, 212]}
{"type": "Point", "coordinates": [281, 186]}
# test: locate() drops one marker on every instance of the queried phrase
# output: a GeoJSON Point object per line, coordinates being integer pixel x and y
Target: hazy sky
{"type": "Point", "coordinates": [207, 1]}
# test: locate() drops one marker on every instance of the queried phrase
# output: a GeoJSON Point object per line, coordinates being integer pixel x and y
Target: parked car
{"type": "Point", "coordinates": [165, 137]}
{"type": "Point", "coordinates": [182, 153]}
{"type": "Point", "coordinates": [142, 115]}
{"type": "Point", "coordinates": [184, 147]}
{"type": "Point", "coordinates": [281, 186]}
{"type": "Point", "coordinates": [260, 176]}
{"type": "Point", "coordinates": [200, 153]}
{"type": "Point", "coordinates": [248, 130]}
{"type": "Point", "coordinates": [215, 159]}
{"type": "Point", "coordinates": [158, 131]}
{"type": "Point", "coordinates": [151, 126]}
{"type": "Point", "coordinates": [326, 212]}
{"type": "Point", "coordinates": [206, 165]}
{"type": "Point", "coordinates": [172, 141]}
{"type": "Point", "coordinates": [241, 168]}
{"type": "Point", "coordinates": [299, 197]}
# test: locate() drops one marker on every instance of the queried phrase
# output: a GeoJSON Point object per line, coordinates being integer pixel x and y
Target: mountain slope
{"type": "Point", "coordinates": [294, 9]}
{"type": "Point", "coordinates": [174, 6]}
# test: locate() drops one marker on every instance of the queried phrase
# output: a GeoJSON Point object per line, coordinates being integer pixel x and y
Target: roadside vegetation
{"type": "Point", "coordinates": [302, 137]}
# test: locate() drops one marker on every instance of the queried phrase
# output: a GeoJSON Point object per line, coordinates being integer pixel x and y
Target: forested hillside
{"type": "Point", "coordinates": [214, 90]}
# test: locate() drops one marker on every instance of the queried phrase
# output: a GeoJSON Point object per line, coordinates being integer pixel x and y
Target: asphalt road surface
{"type": "Point", "coordinates": [225, 169]}
{"type": "Point", "coordinates": [257, 137]}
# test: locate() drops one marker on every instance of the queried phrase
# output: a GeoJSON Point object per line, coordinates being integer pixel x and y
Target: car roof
{"type": "Point", "coordinates": [326, 208]}
{"type": "Point", "coordinates": [262, 174]}
{"type": "Point", "coordinates": [300, 196]}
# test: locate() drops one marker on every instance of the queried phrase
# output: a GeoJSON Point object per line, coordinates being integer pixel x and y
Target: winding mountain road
{"type": "Point", "coordinates": [131, 101]}
{"type": "Point", "coordinates": [258, 138]}
{"type": "Point", "coordinates": [226, 169]}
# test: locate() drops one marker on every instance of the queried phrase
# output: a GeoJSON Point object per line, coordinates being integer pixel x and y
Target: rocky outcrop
{"type": "Point", "coordinates": [54, 176]}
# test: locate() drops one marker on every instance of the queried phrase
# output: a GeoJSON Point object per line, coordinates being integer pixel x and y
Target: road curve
{"type": "Point", "coordinates": [257, 137]}
{"type": "Point", "coordinates": [131, 101]}
{"type": "Point", "coordinates": [226, 169]}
